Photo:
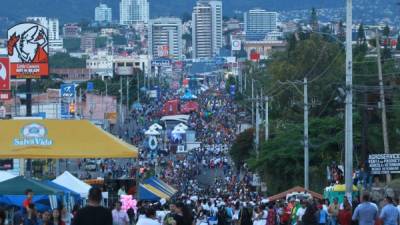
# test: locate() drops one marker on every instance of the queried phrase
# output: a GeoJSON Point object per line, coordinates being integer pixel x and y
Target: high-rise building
{"type": "Point", "coordinates": [165, 38]}
{"type": "Point", "coordinates": [53, 26]}
{"type": "Point", "coordinates": [103, 13]}
{"type": "Point", "coordinates": [258, 23]}
{"type": "Point", "coordinates": [133, 11]}
{"type": "Point", "coordinates": [207, 28]}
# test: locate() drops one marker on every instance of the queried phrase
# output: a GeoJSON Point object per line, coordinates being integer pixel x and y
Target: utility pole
{"type": "Point", "coordinates": [138, 87]}
{"type": "Point", "coordinates": [245, 82]}
{"type": "Point", "coordinates": [127, 94]}
{"type": "Point", "coordinates": [120, 107]}
{"type": "Point", "coordinates": [306, 150]}
{"type": "Point", "coordinates": [257, 125]}
{"type": "Point", "coordinates": [266, 118]}
{"type": "Point", "coordinates": [383, 104]}
{"type": "Point", "coordinates": [349, 103]}
{"type": "Point", "coordinates": [252, 103]}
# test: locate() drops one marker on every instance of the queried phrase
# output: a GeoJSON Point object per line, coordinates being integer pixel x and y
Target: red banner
{"type": "Point", "coordinates": [29, 70]}
{"type": "Point", "coordinates": [5, 95]}
{"type": "Point", "coordinates": [4, 74]}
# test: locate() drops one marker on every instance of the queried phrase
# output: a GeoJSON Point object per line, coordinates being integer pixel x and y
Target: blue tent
{"type": "Point", "coordinates": [41, 201]}
{"type": "Point", "coordinates": [188, 95]}
{"type": "Point", "coordinates": [161, 185]}
{"type": "Point", "coordinates": [146, 194]}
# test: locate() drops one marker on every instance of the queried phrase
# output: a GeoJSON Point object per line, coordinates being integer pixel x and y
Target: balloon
{"type": "Point", "coordinates": [128, 202]}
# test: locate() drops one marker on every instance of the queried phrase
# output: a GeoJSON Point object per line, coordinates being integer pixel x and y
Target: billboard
{"type": "Point", "coordinates": [384, 163]}
{"type": "Point", "coordinates": [236, 45]}
{"type": "Point", "coordinates": [67, 92]}
{"type": "Point", "coordinates": [162, 51]}
{"type": "Point", "coordinates": [4, 74]}
{"type": "Point", "coordinates": [28, 51]}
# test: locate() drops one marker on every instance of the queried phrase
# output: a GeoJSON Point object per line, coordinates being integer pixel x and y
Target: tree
{"type": "Point", "coordinates": [101, 42]}
{"type": "Point", "coordinates": [361, 35]}
{"type": "Point", "coordinates": [242, 148]}
{"type": "Point", "coordinates": [119, 40]}
{"type": "Point", "coordinates": [186, 17]}
{"type": "Point", "coordinates": [64, 60]}
{"type": "Point", "coordinates": [72, 44]}
{"type": "Point", "coordinates": [341, 32]}
{"type": "Point", "coordinates": [314, 20]}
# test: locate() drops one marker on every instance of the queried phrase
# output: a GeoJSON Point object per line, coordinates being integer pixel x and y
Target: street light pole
{"type": "Point", "coordinates": [349, 103]}
{"type": "Point", "coordinates": [382, 97]}
{"type": "Point", "coordinates": [306, 150]}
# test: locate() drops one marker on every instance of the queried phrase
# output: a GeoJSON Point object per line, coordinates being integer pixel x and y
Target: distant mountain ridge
{"type": "Point", "coordinates": [76, 10]}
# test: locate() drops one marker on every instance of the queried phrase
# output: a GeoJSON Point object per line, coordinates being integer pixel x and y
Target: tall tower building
{"type": "Point", "coordinates": [258, 23]}
{"type": "Point", "coordinates": [103, 13]}
{"type": "Point", "coordinates": [133, 11]}
{"type": "Point", "coordinates": [165, 38]}
{"type": "Point", "coordinates": [207, 28]}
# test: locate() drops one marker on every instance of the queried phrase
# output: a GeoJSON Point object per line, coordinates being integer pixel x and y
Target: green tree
{"type": "Point", "coordinates": [119, 40]}
{"type": "Point", "coordinates": [242, 148]}
{"type": "Point", "coordinates": [186, 17]}
{"type": "Point", "coordinates": [72, 44]}
{"type": "Point", "coordinates": [64, 60]}
{"type": "Point", "coordinates": [101, 42]}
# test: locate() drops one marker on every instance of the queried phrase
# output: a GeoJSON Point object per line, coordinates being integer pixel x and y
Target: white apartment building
{"type": "Point", "coordinates": [103, 13]}
{"type": "Point", "coordinates": [133, 11]}
{"type": "Point", "coordinates": [207, 28]}
{"type": "Point", "coordinates": [165, 38]}
{"type": "Point", "coordinates": [258, 23]}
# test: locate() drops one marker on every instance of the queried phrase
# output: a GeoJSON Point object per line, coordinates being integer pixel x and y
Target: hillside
{"type": "Point", "coordinates": [75, 10]}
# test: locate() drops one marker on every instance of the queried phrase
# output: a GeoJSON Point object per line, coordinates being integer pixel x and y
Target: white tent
{"type": "Point", "coordinates": [151, 132]}
{"type": "Point", "coordinates": [181, 126]}
{"type": "Point", "coordinates": [6, 176]}
{"type": "Point", "coordinates": [155, 126]}
{"type": "Point", "coordinates": [74, 184]}
{"type": "Point", "coordinates": [179, 131]}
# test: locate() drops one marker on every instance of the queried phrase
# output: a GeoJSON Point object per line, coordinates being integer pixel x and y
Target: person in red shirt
{"type": "Point", "coordinates": [28, 200]}
{"type": "Point", "coordinates": [344, 216]}
{"type": "Point", "coordinates": [285, 217]}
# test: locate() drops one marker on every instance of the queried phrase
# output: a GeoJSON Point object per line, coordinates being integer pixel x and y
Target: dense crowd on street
{"type": "Point", "coordinates": [229, 198]}
{"type": "Point", "coordinates": [221, 209]}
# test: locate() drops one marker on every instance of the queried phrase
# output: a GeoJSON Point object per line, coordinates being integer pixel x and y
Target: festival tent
{"type": "Point", "coordinates": [190, 106]}
{"type": "Point", "coordinates": [6, 176]}
{"type": "Point", "coordinates": [188, 95]}
{"type": "Point", "coordinates": [65, 190]}
{"type": "Point", "coordinates": [74, 184]}
{"type": "Point", "coordinates": [181, 126]}
{"type": "Point", "coordinates": [148, 192]}
{"type": "Point", "coordinates": [151, 132]}
{"type": "Point", "coordinates": [155, 126]}
{"type": "Point", "coordinates": [179, 131]}
{"type": "Point", "coordinates": [161, 185]}
{"type": "Point", "coordinates": [12, 192]}
{"type": "Point", "coordinates": [296, 189]}
{"type": "Point", "coordinates": [41, 139]}
{"type": "Point", "coordinates": [18, 186]}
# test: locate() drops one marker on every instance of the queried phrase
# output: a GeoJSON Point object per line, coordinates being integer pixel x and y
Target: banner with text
{"type": "Point", "coordinates": [384, 163]}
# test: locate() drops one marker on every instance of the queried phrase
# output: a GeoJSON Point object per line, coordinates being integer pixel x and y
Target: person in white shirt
{"type": "Point", "coordinates": [300, 212]}
{"type": "Point", "coordinates": [149, 219]}
{"type": "Point", "coordinates": [119, 216]}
